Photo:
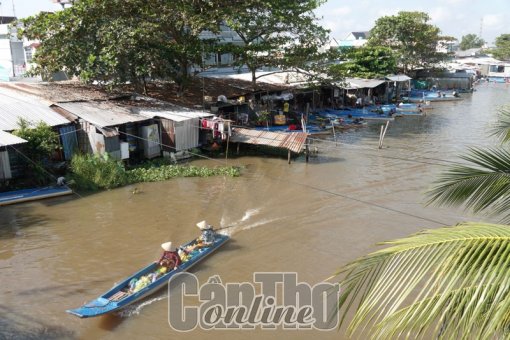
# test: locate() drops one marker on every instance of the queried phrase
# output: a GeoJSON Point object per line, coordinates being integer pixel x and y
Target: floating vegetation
{"type": "Point", "coordinates": [95, 172]}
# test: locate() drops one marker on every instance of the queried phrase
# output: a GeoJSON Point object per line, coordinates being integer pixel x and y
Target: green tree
{"type": "Point", "coordinates": [502, 50]}
{"type": "Point", "coordinates": [42, 142]}
{"type": "Point", "coordinates": [118, 41]}
{"type": "Point", "coordinates": [449, 283]}
{"type": "Point", "coordinates": [412, 38]}
{"type": "Point", "coordinates": [366, 62]}
{"type": "Point", "coordinates": [471, 41]}
{"type": "Point", "coordinates": [282, 34]}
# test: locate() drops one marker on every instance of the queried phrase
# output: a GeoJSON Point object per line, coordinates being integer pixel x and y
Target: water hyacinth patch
{"type": "Point", "coordinates": [95, 172]}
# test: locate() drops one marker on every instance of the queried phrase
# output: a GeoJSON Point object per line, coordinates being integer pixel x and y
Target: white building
{"type": "Point", "coordinates": [12, 54]}
{"type": "Point", "coordinates": [355, 39]}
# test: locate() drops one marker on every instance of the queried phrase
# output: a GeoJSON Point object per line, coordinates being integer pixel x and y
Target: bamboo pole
{"type": "Point", "coordinates": [383, 133]}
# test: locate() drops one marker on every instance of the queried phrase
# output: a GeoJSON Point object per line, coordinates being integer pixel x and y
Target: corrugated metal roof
{"type": "Point", "coordinates": [9, 139]}
{"type": "Point", "coordinates": [282, 78]}
{"type": "Point", "coordinates": [360, 83]}
{"type": "Point", "coordinates": [399, 77]}
{"type": "Point", "coordinates": [15, 105]}
{"type": "Point", "coordinates": [293, 141]}
{"type": "Point", "coordinates": [101, 114]}
{"type": "Point", "coordinates": [174, 113]}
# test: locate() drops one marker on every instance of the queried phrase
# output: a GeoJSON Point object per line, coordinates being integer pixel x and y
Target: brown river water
{"type": "Point", "coordinates": [310, 218]}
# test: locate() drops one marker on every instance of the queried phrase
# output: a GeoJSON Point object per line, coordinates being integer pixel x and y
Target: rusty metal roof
{"type": "Point", "coordinates": [15, 105]}
{"type": "Point", "coordinates": [293, 141]}
{"type": "Point", "coordinates": [9, 139]}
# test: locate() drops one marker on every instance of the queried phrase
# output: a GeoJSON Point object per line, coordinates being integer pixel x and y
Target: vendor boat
{"type": "Point", "coordinates": [121, 295]}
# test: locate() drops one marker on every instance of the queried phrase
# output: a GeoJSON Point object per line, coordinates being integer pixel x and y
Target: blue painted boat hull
{"type": "Point", "coordinates": [32, 194]}
{"type": "Point", "coordinates": [104, 305]}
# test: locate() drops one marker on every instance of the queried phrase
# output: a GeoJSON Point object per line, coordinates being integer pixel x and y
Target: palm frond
{"type": "Point", "coordinates": [502, 128]}
{"type": "Point", "coordinates": [482, 185]}
{"type": "Point", "coordinates": [451, 283]}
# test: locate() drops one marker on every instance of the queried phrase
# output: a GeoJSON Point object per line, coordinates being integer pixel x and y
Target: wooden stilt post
{"type": "Point", "coordinates": [288, 156]}
{"type": "Point", "coordinates": [238, 144]}
{"type": "Point", "coordinates": [334, 132]}
{"type": "Point", "coordinates": [307, 151]}
{"type": "Point", "coordinates": [226, 152]}
{"type": "Point", "coordinates": [380, 137]}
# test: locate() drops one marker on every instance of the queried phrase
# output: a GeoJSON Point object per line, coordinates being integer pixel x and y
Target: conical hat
{"type": "Point", "coordinates": [203, 225]}
{"type": "Point", "coordinates": [167, 246]}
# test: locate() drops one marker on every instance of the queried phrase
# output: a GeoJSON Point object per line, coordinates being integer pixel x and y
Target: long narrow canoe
{"type": "Point", "coordinates": [119, 296]}
{"type": "Point", "coordinates": [25, 195]}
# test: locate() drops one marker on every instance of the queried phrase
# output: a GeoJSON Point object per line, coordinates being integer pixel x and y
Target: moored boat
{"type": "Point", "coordinates": [122, 295]}
{"type": "Point", "coordinates": [32, 194]}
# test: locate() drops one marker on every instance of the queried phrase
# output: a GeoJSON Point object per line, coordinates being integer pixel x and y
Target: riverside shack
{"type": "Point", "coordinates": [104, 127]}
{"type": "Point", "coordinates": [180, 128]}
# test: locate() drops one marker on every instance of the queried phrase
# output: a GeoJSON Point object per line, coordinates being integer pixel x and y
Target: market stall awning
{"type": "Point", "coordinates": [293, 141]}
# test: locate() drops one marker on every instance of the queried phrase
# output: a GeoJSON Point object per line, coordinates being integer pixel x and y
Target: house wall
{"type": "Point", "coordinates": [179, 136]}
{"type": "Point", "coordinates": [167, 135]}
{"type": "Point", "coordinates": [69, 141]}
{"type": "Point", "coordinates": [499, 71]}
{"type": "Point", "coordinates": [5, 165]}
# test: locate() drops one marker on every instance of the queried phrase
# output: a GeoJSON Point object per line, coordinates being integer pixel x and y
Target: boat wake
{"type": "Point", "coordinates": [243, 223]}
{"type": "Point", "coordinates": [249, 213]}
{"type": "Point", "coordinates": [258, 224]}
{"type": "Point", "coordinates": [232, 227]}
{"type": "Point", "coordinates": [136, 308]}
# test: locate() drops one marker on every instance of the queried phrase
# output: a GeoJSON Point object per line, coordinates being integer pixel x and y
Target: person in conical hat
{"type": "Point", "coordinates": [170, 259]}
{"type": "Point", "coordinates": [208, 233]}
{"type": "Point", "coordinates": [203, 225]}
{"type": "Point", "coordinates": [167, 246]}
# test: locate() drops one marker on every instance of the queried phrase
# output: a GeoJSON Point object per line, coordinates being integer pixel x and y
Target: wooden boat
{"type": "Point", "coordinates": [120, 296]}
{"type": "Point", "coordinates": [25, 195]}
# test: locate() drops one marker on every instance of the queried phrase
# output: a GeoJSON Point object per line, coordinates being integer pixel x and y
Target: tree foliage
{"type": "Point", "coordinates": [118, 41]}
{"type": "Point", "coordinates": [277, 33]}
{"type": "Point", "coordinates": [502, 50]}
{"type": "Point", "coordinates": [447, 283]}
{"type": "Point", "coordinates": [366, 62]}
{"type": "Point", "coordinates": [42, 141]}
{"type": "Point", "coordinates": [471, 41]}
{"type": "Point", "coordinates": [412, 38]}
{"type": "Point", "coordinates": [483, 183]}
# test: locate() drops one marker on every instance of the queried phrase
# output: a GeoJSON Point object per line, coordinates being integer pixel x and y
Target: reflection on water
{"type": "Point", "coordinates": [309, 218]}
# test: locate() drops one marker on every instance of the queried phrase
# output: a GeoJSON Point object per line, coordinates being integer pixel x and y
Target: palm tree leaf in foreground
{"type": "Point", "coordinates": [502, 127]}
{"type": "Point", "coordinates": [482, 185]}
{"type": "Point", "coordinates": [450, 283]}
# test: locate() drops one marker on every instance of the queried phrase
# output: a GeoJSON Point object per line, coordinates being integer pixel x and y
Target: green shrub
{"type": "Point", "coordinates": [93, 172]}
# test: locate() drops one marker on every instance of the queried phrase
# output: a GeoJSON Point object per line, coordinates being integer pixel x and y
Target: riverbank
{"type": "Point", "coordinates": [305, 218]}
